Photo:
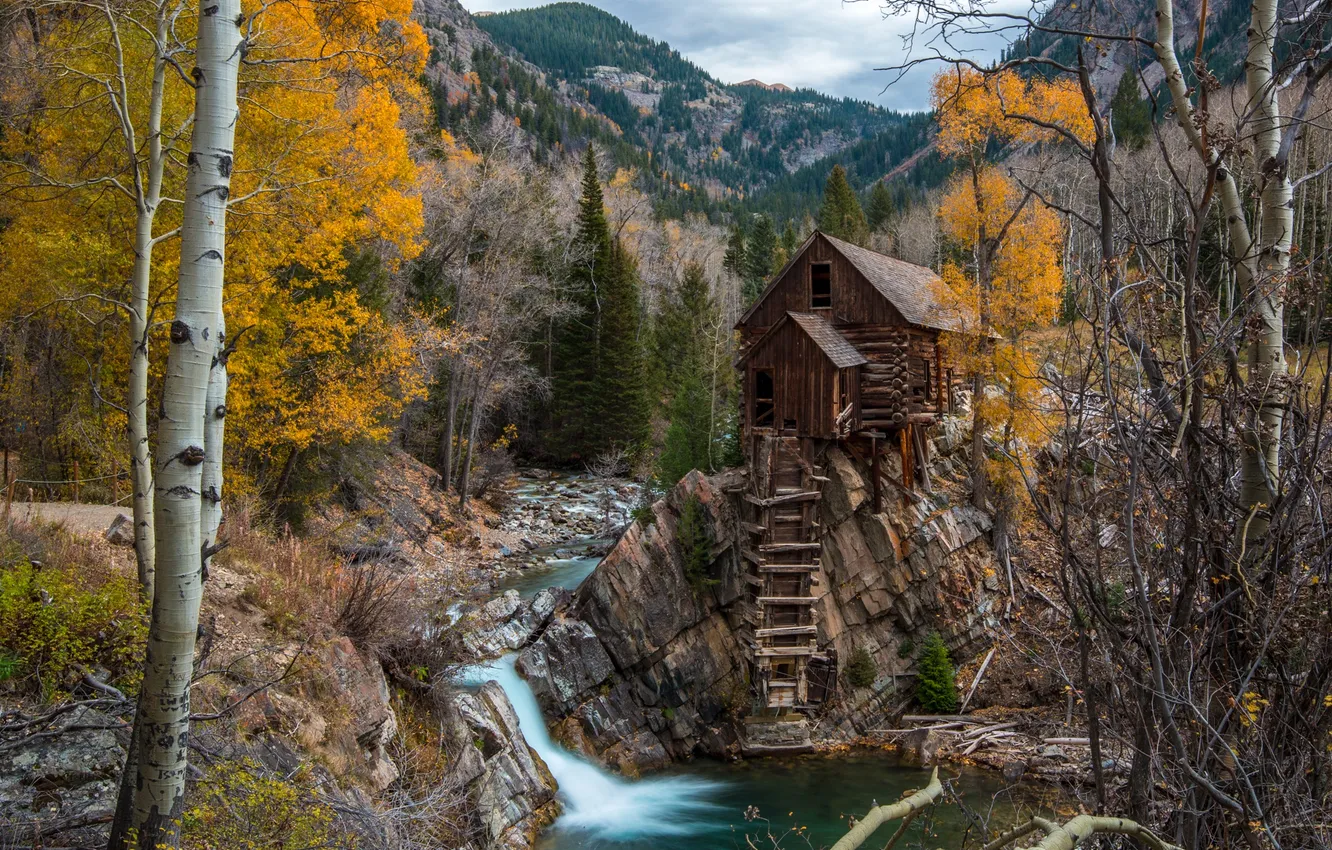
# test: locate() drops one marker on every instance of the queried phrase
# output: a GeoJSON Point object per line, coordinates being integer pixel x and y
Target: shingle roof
{"type": "Point", "coordinates": [912, 289]}
{"type": "Point", "coordinates": [839, 351]}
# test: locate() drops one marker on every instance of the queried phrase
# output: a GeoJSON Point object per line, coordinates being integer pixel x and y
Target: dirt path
{"type": "Point", "coordinates": [81, 519]}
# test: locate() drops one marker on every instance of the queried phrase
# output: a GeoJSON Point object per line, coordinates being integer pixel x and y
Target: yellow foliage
{"type": "Point", "coordinates": [238, 807]}
{"type": "Point", "coordinates": [972, 108]}
{"type": "Point", "coordinates": [322, 167]}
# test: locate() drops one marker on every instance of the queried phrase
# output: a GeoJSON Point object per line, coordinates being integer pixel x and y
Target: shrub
{"type": "Point", "coordinates": [906, 648]}
{"type": "Point", "coordinates": [936, 687]}
{"type": "Point", "coordinates": [696, 543]}
{"type": "Point", "coordinates": [860, 669]}
{"type": "Point", "coordinates": [57, 624]}
{"type": "Point", "coordinates": [238, 807]}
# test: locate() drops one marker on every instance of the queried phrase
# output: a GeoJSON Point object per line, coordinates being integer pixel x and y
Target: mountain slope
{"type": "Point", "coordinates": [558, 76]}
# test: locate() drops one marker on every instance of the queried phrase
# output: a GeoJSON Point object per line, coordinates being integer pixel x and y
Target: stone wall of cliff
{"type": "Point", "coordinates": [644, 667]}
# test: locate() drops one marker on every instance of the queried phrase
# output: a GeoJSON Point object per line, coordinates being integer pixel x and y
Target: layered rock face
{"type": "Point", "coordinates": [509, 785]}
{"type": "Point", "coordinates": [646, 666]}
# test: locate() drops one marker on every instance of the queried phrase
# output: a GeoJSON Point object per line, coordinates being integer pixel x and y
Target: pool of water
{"type": "Point", "coordinates": [799, 802]}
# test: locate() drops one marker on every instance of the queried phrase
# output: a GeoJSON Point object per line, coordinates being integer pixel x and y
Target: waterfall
{"type": "Point", "coordinates": [602, 808]}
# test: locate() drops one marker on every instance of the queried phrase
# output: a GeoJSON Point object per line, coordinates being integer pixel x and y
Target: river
{"type": "Point", "coordinates": [801, 802]}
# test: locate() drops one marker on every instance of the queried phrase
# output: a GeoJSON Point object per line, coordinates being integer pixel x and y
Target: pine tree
{"type": "Point", "coordinates": [881, 208]}
{"type": "Point", "coordinates": [1130, 113]}
{"type": "Point", "coordinates": [600, 385]}
{"type": "Point", "coordinates": [695, 544]}
{"type": "Point", "coordinates": [936, 687]}
{"type": "Point", "coordinates": [789, 240]}
{"type": "Point", "coordinates": [841, 215]}
{"type": "Point", "coordinates": [684, 346]}
{"type": "Point", "coordinates": [620, 405]}
{"type": "Point", "coordinates": [734, 261]}
{"type": "Point", "coordinates": [760, 255]}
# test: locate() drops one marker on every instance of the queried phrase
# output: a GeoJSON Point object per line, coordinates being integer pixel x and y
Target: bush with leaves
{"type": "Point", "coordinates": [57, 624]}
{"type": "Point", "coordinates": [936, 685]}
{"type": "Point", "coordinates": [239, 806]}
{"type": "Point", "coordinates": [696, 543]}
{"type": "Point", "coordinates": [860, 669]}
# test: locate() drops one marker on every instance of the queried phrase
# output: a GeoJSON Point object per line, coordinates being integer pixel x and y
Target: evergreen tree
{"type": "Point", "coordinates": [685, 348]}
{"type": "Point", "coordinates": [620, 404]}
{"type": "Point", "coordinates": [734, 259]}
{"type": "Point", "coordinates": [696, 545]}
{"type": "Point", "coordinates": [936, 686]}
{"type": "Point", "coordinates": [760, 254]}
{"type": "Point", "coordinates": [789, 240]}
{"type": "Point", "coordinates": [599, 379]}
{"type": "Point", "coordinates": [880, 207]}
{"type": "Point", "coordinates": [573, 376]}
{"type": "Point", "coordinates": [1130, 113]}
{"type": "Point", "coordinates": [841, 215]}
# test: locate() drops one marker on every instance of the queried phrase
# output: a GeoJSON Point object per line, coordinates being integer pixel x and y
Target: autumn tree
{"type": "Point", "coordinates": [974, 110]}
{"type": "Point", "coordinates": [840, 214]}
{"type": "Point", "coordinates": [1022, 295]}
{"type": "Point", "coordinates": [488, 278]}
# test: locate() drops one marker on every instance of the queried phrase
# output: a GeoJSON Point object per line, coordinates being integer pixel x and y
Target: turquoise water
{"type": "Point", "coordinates": [800, 802]}
{"type": "Point", "coordinates": [567, 573]}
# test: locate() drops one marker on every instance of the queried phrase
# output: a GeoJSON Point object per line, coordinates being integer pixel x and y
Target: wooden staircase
{"type": "Point", "coordinates": [783, 553]}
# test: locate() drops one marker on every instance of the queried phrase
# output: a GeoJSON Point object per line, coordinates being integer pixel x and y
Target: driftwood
{"type": "Point", "coordinates": [876, 817]}
{"type": "Point", "coordinates": [971, 692]}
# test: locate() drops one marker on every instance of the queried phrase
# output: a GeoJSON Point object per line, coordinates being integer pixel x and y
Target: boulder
{"type": "Point", "coordinates": [121, 531]}
{"type": "Point", "coordinates": [920, 747]}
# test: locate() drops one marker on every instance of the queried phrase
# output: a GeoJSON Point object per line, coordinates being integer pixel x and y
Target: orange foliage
{"type": "Point", "coordinates": [973, 108]}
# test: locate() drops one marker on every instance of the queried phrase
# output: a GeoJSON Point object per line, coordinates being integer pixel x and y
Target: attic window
{"type": "Point", "coordinates": [820, 286]}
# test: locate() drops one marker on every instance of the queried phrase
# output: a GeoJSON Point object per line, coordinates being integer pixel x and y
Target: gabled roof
{"type": "Point", "coordinates": [834, 346]}
{"type": "Point", "coordinates": [911, 289]}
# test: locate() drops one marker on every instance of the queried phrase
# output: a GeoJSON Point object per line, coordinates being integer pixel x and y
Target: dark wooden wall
{"type": "Point", "coordinates": [805, 382]}
{"type": "Point", "coordinates": [854, 300]}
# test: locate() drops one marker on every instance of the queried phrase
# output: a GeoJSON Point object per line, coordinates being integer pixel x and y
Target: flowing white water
{"type": "Point", "coordinates": [602, 808]}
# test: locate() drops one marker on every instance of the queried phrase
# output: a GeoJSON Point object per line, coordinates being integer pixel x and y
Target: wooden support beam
{"type": "Point", "coordinates": [904, 438]}
{"type": "Point", "coordinates": [874, 473]}
{"type": "Point", "coordinates": [753, 527]}
{"type": "Point", "coordinates": [790, 547]}
{"type": "Point", "coordinates": [789, 568]}
{"type": "Point", "coordinates": [804, 496]}
{"type": "Point", "coordinates": [787, 600]}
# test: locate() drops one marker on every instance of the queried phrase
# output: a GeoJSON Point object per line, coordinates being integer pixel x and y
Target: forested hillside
{"type": "Point", "coordinates": [568, 71]}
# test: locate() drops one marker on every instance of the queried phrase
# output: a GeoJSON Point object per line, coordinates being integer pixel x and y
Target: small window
{"type": "Point", "coordinates": [820, 286]}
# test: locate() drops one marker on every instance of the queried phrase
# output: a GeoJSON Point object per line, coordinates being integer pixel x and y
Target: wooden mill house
{"type": "Point", "coordinates": [843, 345]}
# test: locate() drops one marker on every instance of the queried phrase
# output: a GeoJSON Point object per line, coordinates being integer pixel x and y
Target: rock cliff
{"type": "Point", "coordinates": [646, 666]}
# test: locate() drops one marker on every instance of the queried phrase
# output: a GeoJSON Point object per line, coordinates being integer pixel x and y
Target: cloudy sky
{"type": "Point", "coordinates": [827, 45]}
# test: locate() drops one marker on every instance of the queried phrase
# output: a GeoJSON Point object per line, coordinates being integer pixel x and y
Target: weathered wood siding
{"type": "Point", "coordinates": [854, 300]}
{"type": "Point", "coordinates": [808, 390]}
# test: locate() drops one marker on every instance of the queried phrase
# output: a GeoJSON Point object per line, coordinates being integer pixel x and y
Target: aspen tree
{"type": "Point", "coordinates": [163, 719]}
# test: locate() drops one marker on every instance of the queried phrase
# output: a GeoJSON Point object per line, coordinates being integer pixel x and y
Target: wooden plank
{"type": "Point", "coordinates": [784, 651]}
{"type": "Point", "coordinates": [790, 547]}
{"type": "Point", "coordinates": [786, 630]}
{"type": "Point", "coordinates": [807, 496]}
{"type": "Point", "coordinates": [874, 473]}
{"type": "Point", "coordinates": [789, 568]}
{"type": "Point", "coordinates": [753, 527]}
{"type": "Point", "coordinates": [787, 600]}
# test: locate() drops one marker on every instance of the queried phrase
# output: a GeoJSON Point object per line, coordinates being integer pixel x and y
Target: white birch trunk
{"type": "Point", "coordinates": [165, 700]}
{"type": "Point", "coordinates": [149, 197]}
{"type": "Point", "coordinates": [215, 411]}
{"type": "Point", "coordinates": [1259, 268]}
